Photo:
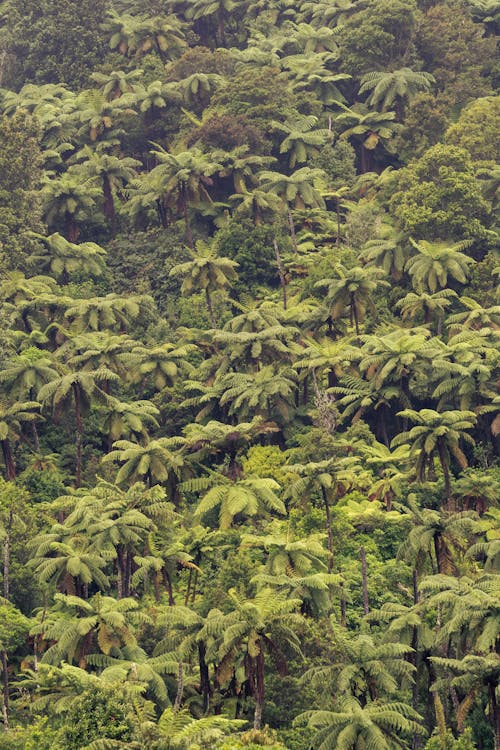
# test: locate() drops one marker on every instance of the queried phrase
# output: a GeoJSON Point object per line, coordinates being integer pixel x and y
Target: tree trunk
{"type": "Point", "coordinates": [366, 160]}
{"type": "Point", "coordinates": [495, 713]}
{"type": "Point", "coordinates": [343, 607]}
{"type": "Point", "coordinates": [120, 573]}
{"type": "Point", "coordinates": [180, 688]}
{"type": "Point", "coordinates": [205, 686]}
{"type": "Point", "coordinates": [5, 703]}
{"type": "Point", "coordinates": [364, 580]}
{"type": "Point", "coordinates": [109, 204]}
{"type": "Point", "coordinates": [329, 530]}
{"type": "Point", "coordinates": [36, 439]}
{"type": "Point", "coordinates": [292, 232]}
{"type": "Point", "coordinates": [168, 584]}
{"type": "Point", "coordinates": [354, 316]}
{"type": "Point", "coordinates": [437, 553]}
{"type": "Point", "coordinates": [6, 557]}
{"type": "Point", "coordinates": [281, 273]}
{"type": "Point", "coordinates": [338, 221]}
{"type": "Point", "coordinates": [72, 230]}
{"type": "Point", "coordinates": [10, 467]}
{"type": "Point", "coordinates": [446, 475]}
{"type": "Point", "coordinates": [211, 314]}
{"type": "Point", "coordinates": [187, 225]}
{"type": "Point", "coordinates": [79, 433]}
{"type": "Point", "coordinates": [259, 688]}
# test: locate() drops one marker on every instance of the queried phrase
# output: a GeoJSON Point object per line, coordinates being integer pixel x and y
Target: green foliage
{"type": "Point", "coordinates": [249, 374]}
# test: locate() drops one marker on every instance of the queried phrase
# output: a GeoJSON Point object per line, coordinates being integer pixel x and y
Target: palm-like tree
{"type": "Point", "coordinates": [71, 564]}
{"type": "Point", "coordinates": [136, 36]}
{"type": "Point", "coordinates": [394, 471]}
{"type": "Point", "coordinates": [267, 392]}
{"type": "Point", "coordinates": [399, 358]}
{"type": "Point", "coordinates": [250, 497]}
{"type": "Point", "coordinates": [254, 627]}
{"type": "Point", "coordinates": [395, 87]}
{"type": "Point", "coordinates": [437, 434]}
{"type": "Point", "coordinates": [117, 83]}
{"type": "Point", "coordinates": [429, 306]}
{"type": "Point", "coordinates": [68, 200]}
{"type": "Point", "coordinates": [12, 415]}
{"type": "Point", "coordinates": [64, 257]}
{"type": "Point", "coordinates": [368, 126]}
{"type": "Point", "coordinates": [162, 364]}
{"type": "Point", "coordinates": [207, 272]}
{"type": "Point", "coordinates": [25, 374]}
{"type": "Point", "coordinates": [472, 673]}
{"type": "Point", "coordinates": [111, 173]}
{"type": "Point", "coordinates": [221, 9]}
{"type": "Point", "coordinates": [79, 625]}
{"type": "Point", "coordinates": [125, 419]}
{"type": "Point", "coordinates": [434, 535]}
{"type": "Point", "coordinates": [78, 388]}
{"type": "Point", "coordinates": [113, 311]}
{"type": "Point", "coordinates": [475, 316]}
{"type": "Point", "coordinates": [436, 261]}
{"type": "Point", "coordinates": [387, 253]}
{"type": "Point", "coordinates": [310, 73]}
{"type": "Point", "coordinates": [301, 141]}
{"type": "Point", "coordinates": [378, 725]}
{"type": "Point", "coordinates": [364, 669]}
{"type": "Point", "coordinates": [352, 290]}
{"type": "Point", "coordinates": [218, 439]}
{"type": "Point", "coordinates": [183, 180]}
{"type": "Point", "coordinates": [157, 461]}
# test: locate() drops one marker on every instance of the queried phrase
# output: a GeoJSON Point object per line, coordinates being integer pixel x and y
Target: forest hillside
{"type": "Point", "coordinates": [249, 375]}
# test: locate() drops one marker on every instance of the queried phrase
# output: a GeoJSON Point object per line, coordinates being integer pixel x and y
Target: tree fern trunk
{"type": "Point", "coordinates": [259, 688]}
{"type": "Point", "coordinates": [79, 433]}
{"type": "Point", "coordinates": [329, 530]}
{"type": "Point", "coordinates": [364, 581]}
{"type": "Point", "coordinates": [5, 702]}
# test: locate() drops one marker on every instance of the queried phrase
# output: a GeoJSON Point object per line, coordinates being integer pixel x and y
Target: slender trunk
{"type": "Point", "coordinates": [5, 706]}
{"type": "Point", "coordinates": [109, 204]}
{"type": "Point", "coordinates": [205, 687]}
{"type": "Point", "coordinates": [188, 592]}
{"type": "Point", "coordinates": [221, 26]}
{"type": "Point", "coordinates": [36, 439]}
{"type": "Point", "coordinates": [259, 688]}
{"type": "Point", "coordinates": [119, 573]}
{"type": "Point", "coordinates": [495, 713]}
{"type": "Point", "coordinates": [180, 688]}
{"type": "Point", "coordinates": [79, 433]}
{"type": "Point", "coordinates": [72, 230]}
{"type": "Point", "coordinates": [354, 315]}
{"type": "Point", "coordinates": [364, 580]}
{"type": "Point", "coordinates": [292, 232]}
{"type": "Point", "coordinates": [195, 582]}
{"type": "Point", "coordinates": [281, 273]}
{"type": "Point", "coordinates": [168, 584]}
{"type": "Point", "coordinates": [437, 553]}
{"type": "Point", "coordinates": [338, 221]}
{"type": "Point", "coordinates": [6, 556]}
{"type": "Point", "coordinates": [414, 658]}
{"type": "Point", "coordinates": [128, 573]}
{"type": "Point", "coordinates": [446, 475]}
{"type": "Point", "coordinates": [10, 467]}
{"type": "Point", "coordinates": [366, 160]}
{"type": "Point", "coordinates": [211, 314]}
{"type": "Point", "coordinates": [187, 225]}
{"type": "Point", "coordinates": [329, 530]}
{"type": "Point", "coordinates": [343, 607]}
